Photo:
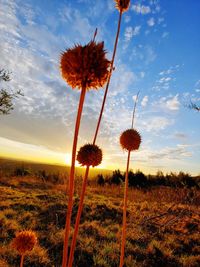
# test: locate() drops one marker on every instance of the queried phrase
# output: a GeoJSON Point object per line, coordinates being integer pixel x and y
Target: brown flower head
{"type": "Point", "coordinates": [89, 155]}
{"type": "Point", "coordinates": [122, 5]}
{"type": "Point", "coordinates": [130, 140]}
{"type": "Point", "coordinates": [24, 241]}
{"type": "Point", "coordinates": [85, 65]}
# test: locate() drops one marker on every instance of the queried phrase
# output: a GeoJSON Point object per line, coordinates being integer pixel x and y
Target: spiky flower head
{"type": "Point", "coordinates": [24, 241]}
{"type": "Point", "coordinates": [89, 155]}
{"type": "Point", "coordinates": [130, 140]}
{"type": "Point", "coordinates": [85, 65]}
{"type": "Point", "coordinates": [122, 5]}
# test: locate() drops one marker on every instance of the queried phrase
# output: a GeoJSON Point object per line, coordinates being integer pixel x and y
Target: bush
{"type": "Point", "coordinates": [190, 182]}
{"type": "Point", "coordinates": [21, 171]}
{"type": "Point", "coordinates": [137, 179]}
{"type": "Point", "coordinates": [100, 179]}
{"type": "Point", "coordinates": [116, 177]}
{"type": "Point", "coordinates": [54, 178]}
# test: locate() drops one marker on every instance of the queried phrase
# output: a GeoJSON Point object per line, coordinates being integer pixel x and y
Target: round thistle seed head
{"type": "Point", "coordinates": [130, 140]}
{"type": "Point", "coordinates": [85, 66]}
{"type": "Point", "coordinates": [89, 155]}
{"type": "Point", "coordinates": [122, 5]}
{"type": "Point", "coordinates": [24, 241]}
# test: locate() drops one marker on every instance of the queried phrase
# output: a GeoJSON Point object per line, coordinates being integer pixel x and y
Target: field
{"type": "Point", "coordinates": [163, 224]}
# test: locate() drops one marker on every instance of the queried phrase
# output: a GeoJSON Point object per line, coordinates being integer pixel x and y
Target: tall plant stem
{"type": "Point", "coordinates": [109, 77]}
{"type": "Point", "coordinates": [78, 217]}
{"type": "Point", "coordinates": [22, 260]}
{"type": "Point", "coordinates": [71, 257]}
{"type": "Point", "coordinates": [124, 213]}
{"type": "Point", "coordinates": [134, 109]}
{"type": "Point", "coordinates": [71, 178]}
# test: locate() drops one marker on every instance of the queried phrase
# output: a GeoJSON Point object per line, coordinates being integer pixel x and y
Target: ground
{"type": "Point", "coordinates": [163, 224]}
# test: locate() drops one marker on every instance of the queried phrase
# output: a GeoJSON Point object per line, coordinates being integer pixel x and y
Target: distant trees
{"type": "Point", "coordinates": [140, 180]}
{"type": "Point", "coordinates": [6, 98]}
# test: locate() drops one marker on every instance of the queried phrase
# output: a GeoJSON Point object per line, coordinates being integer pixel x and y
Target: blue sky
{"type": "Point", "coordinates": [158, 54]}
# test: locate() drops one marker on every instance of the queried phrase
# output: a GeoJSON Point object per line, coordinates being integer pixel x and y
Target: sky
{"type": "Point", "coordinates": [158, 54]}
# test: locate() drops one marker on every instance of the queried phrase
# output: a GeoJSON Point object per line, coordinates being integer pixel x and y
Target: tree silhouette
{"type": "Point", "coordinates": [6, 98]}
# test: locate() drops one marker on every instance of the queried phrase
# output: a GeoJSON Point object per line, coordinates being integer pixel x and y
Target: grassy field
{"type": "Point", "coordinates": [163, 224]}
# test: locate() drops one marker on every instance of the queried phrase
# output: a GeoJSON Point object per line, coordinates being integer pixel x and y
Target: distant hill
{"type": "Point", "coordinates": [9, 165]}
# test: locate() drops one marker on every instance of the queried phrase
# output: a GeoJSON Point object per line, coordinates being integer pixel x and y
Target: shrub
{"type": "Point", "coordinates": [137, 179]}
{"type": "Point", "coordinates": [116, 177]}
{"type": "Point", "coordinates": [21, 171]}
{"type": "Point", "coordinates": [100, 179]}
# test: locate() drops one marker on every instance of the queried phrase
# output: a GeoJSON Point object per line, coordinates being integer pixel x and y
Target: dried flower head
{"type": "Point", "coordinates": [130, 140]}
{"type": "Point", "coordinates": [89, 155]}
{"type": "Point", "coordinates": [122, 5]}
{"type": "Point", "coordinates": [24, 241]}
{"type": "Point", "coordinates": [85, 66]}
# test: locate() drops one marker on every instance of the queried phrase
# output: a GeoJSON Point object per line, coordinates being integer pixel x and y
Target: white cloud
{"type": "Point", "coordinates": [170, 70]}
{"type": "Point", "coordinates": [141, 9]}
{"type": "Point", "coordinates": [131, 31]}
{"type": "Point", "coordinates": [156, 123]}
{"type": "Point", "coordinates": [151, 22]}
{"type": "Point", "coordinates": [164, 79]}
{"type": "Point", "coordinates": [145, 101]}
{"type": "Point", "coordinates": [173, 103]}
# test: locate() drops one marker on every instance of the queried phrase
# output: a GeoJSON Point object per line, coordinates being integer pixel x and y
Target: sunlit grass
{"type": "Point", "coordinates": [161, 229]}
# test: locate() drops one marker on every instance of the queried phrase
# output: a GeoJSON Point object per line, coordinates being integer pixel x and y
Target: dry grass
{"type": "Point", "coordinates": [163, 225]}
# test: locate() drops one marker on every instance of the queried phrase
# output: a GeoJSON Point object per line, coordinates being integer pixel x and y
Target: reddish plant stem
{"type": "Point", "coordinates": [71, 179]}
{"type": "Point", "coordinates": [134, 109]}
{"type": "Point", "coordinates": [22, 260]}
{"type": "Point", "coordinates": [94, 141]}
{"type": "Point", "coordinates": [109, 76]}
{"type": "Point", "coordinates": [126, 194]}
{"type": "Point", "coordinates": [78, 217]}
{"type": "Point", "coordinates": [124, 213]}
